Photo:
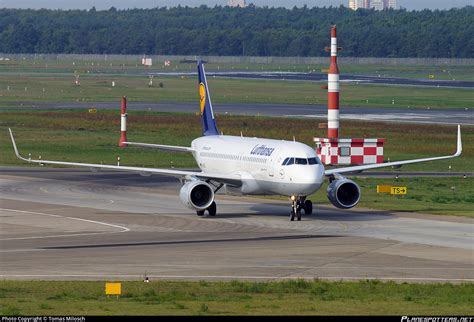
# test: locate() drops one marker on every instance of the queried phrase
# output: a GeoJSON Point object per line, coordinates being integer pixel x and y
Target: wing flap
{"type": "Point", "coordinates": [173, 148]}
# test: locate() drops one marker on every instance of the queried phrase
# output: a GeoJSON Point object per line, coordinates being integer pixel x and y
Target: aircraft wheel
{"type": "Point", "coordinates": [308, 207]}
{"type": "Point", "coordinates": [200, 213]}
{"type": "Point", "coordinates": [212, 209]}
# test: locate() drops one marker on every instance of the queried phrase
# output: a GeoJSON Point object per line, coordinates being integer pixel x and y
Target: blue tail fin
{"type": "Point", "coordinates": [208, 122]}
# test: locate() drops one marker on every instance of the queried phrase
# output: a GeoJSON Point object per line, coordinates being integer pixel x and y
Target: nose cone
{"type": "Point", "coordinates": [310, 174]}
{"type": "Point", "coordinates": [307, 179]}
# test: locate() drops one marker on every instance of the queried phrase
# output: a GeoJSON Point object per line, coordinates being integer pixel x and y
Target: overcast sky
{"type": "Point", "coordinates": [122, 4]}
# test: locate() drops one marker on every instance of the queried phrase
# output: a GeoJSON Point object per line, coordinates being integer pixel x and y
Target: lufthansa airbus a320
{"type": "Point", "coordinates": [251, 166]}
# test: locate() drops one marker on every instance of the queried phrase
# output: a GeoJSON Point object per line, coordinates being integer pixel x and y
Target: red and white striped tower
{"type": "Point", "coordinates": [123, 123]}
{"type": "Point", "coordinates": [333, 89]}
{"type": "Point", "coordinates": [334, 150]}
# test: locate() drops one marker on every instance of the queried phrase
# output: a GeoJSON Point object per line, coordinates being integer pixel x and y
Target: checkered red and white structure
{"type": "Point", "coordinates": [334, 150]}
{"type": "Point", "coordinates": [349, 151]}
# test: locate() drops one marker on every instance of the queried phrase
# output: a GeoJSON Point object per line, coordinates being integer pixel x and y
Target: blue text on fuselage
{"type": "Point", "coordinates": [262, 150]}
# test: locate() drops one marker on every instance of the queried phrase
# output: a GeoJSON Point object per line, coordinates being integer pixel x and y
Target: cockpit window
{"type": "Point", "coordinates": [301, 161]}
{"type": "Point", "coordinates": [313, 161]}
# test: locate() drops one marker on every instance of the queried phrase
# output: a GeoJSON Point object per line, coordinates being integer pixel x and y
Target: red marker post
{"type": "Point", "coordinates": [123, 124]}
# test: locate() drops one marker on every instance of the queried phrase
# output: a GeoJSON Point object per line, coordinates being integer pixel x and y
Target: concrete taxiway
{"type": "Point", "coordinates": [322, 77]}
{"type": "Point", "coordinates": [365, 79]}
{"type": "Point", "coordinates": [74, 224]}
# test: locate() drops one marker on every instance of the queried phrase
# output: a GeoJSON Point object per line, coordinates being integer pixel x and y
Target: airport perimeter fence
{"type": "Point", "coordinates": [244, 59]}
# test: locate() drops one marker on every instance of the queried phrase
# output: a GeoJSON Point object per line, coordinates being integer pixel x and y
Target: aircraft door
{"type": "Point", "coordinates": [280, 168]}
{"type": "Point", "coordinates": [271, 170]}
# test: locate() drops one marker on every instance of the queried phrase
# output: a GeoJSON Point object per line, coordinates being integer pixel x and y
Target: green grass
{"type": "Point", "coordinates": [293, 297]}
{"type": "Point", "coordinates": [425, 195]}
{"type": "Point", "coordinates": [84, 137]}
{"type": "Point", "coordinates": [24, 83]}
{"type": "Point", "coordinates": [447, 72]}
{"type": "Point", "coordinates": [175, 89]}
{"type": "Point", "coordinates": [79, 135]}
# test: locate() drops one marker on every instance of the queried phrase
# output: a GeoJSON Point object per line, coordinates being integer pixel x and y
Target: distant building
{"type": "Point", "coordinates": [236, 3]}
{"type": "Point", "coordinates": [360, 4]}
{"type": "Point", "coordinates": [378, 4]}
{"type": "Point", "coordinates": [392, 4]}
{"type": "Point", "coordinates": [352, 4]}
{"type": "Point", "coordinates": [369, 4]}
{"type": "Point", "coordinates": [355, 4]}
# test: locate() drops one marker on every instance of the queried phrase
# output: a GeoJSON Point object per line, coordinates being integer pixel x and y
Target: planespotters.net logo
{"type": "Point", "coordinates": [437, 319]}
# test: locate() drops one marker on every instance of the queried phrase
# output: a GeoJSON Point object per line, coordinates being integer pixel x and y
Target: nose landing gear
{"type": "Point", "coordinates": [297, 205]}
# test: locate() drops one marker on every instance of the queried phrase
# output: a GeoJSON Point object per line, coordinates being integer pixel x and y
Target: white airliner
{"type": "Point", "coordinates": [251, 166]}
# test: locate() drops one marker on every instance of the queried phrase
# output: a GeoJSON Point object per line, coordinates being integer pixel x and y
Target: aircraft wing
{"type": "Point", "coordinates": [234, 180]}
{"type": "Point", "coordinates": [396, 163]}
{"type": "Point", "coordinates": [162, 147]}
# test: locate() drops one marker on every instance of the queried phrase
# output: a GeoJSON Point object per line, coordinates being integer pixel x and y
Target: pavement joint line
{"type": "Point", "coordinates": [243, 277]}
{"type": "Point", "coordinates": [124, 229]}
{"type": "Point", "coordinates": [22, 250]}
{"type": "Point", "coordinates": [202, 266]}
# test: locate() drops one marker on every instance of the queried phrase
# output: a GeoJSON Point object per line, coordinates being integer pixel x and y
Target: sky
{"type": "Point", "coordinates": [123, 4]}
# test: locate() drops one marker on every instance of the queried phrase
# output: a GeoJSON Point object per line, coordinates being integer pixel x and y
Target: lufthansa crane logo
{"type": "Point", "coordinates": [202, 94]}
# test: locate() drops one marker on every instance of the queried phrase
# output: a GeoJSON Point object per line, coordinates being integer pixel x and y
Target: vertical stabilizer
{"type": "Point", "coordinates": [208, 122]}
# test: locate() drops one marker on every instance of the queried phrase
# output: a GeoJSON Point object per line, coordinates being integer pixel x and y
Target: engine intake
{"type": "Point", "coordinates": [196, 195]}
{"type": "Point", "coordinates": [343, 193]}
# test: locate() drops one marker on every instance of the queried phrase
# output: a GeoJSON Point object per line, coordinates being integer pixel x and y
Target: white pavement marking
{"type": "Point", "coordinates": [401, 118]}
{"type": "Point", "coordinates": [124, 229]}
{"type": "Point", "coordinates": [244, 277]}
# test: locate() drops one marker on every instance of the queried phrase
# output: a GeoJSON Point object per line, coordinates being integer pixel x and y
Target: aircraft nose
{"type": "Point", "coordinates": [311, 175]}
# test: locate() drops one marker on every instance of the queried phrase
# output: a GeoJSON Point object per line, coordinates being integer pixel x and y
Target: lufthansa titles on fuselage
{"type": "Point", "coordinates": [262, 149]}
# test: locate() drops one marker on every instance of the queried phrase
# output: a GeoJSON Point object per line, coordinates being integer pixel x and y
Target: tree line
{"type": "Point", "coordinates": [250, 31]}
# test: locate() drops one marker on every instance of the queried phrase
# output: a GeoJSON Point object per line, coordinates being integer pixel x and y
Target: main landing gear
{"type": "Point", "coordinates": [297, 205]}
{"type": "Point", "coordinates": [212, 209]}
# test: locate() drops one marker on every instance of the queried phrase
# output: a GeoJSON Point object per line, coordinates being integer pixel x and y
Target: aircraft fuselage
{"type": "Point", "coordinates": [266, 166]}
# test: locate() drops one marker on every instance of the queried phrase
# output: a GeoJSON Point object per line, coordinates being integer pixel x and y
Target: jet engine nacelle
{"type": "Point", "coordinates": [196, 195]}
{"type": "Point", "coordinates": [343, 193]}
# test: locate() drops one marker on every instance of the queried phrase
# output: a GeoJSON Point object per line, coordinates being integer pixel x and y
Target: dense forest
{"type": "Point", "coordinates": [251, 31]}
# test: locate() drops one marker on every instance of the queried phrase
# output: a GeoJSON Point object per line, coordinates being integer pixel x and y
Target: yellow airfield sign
{"type": "Point", "coordinates": [383, 189]}
{"type": "Point", "coordinates": [392, 190]}
{"type": "Point", "coordinates": [398, 190]}
{"type": "Point", "coordinates": [113, 288]}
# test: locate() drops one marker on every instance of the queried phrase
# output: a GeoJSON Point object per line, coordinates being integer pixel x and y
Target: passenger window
{"type": "Point", "coordinates": [301, 161]}
{"type": "Point", "coordinates": [291, 161]}
{"type": "Point", "coordinates": [285, 161]}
